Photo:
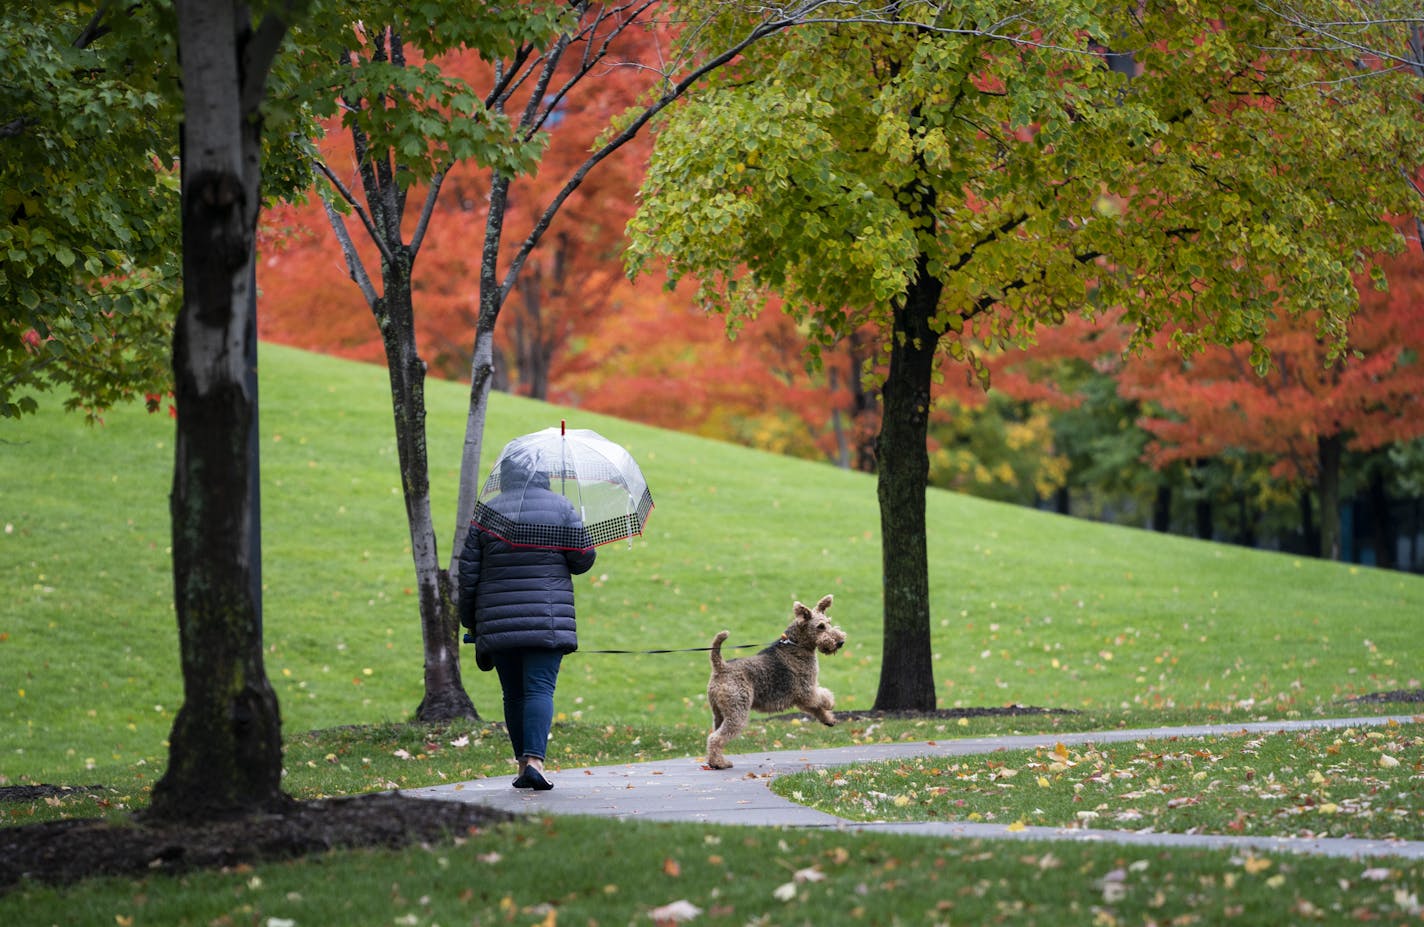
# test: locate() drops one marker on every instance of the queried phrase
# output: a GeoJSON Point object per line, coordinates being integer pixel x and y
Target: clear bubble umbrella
{"type": "Point", "coordinates": [598, 476]}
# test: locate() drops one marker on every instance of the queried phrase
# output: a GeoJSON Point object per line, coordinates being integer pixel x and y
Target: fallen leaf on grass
{"type": "Point", "coordinates": [674, 913]}
{"type": "Point", "coordinates": [1255, 864]}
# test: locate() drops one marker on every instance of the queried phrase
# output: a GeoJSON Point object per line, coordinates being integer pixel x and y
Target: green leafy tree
{"type": "Point", "coordinates": [978, 171]}
{"type": "Point", "coordinates": [88, 204]}
{"type": "Point", "coordinates": [411, 121]}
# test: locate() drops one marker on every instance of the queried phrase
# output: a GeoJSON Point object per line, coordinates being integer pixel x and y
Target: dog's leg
{"type": "Point", "coordinates": [728, 721]}
{"type": "Point", "coordinates": [819, 706]}
{"type": "Point", "coordinates": [715, 759]}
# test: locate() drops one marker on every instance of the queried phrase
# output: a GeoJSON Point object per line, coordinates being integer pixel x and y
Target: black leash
{"type": "Point", "coordinates": [469, 639]}
{"type": "Point", "coordinates": [680, 650]}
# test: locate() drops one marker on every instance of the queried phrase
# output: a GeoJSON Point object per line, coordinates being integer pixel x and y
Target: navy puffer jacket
{"type": "Point", "coordinates": [516, 597]}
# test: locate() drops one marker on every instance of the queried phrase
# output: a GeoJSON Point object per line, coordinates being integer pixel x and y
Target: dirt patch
{"type": "Point", "coordinates": [1398, 695]}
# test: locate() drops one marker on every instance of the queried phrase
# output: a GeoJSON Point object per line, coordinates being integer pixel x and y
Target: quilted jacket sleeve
{"type": "Point", "coordinates": [468, 579]}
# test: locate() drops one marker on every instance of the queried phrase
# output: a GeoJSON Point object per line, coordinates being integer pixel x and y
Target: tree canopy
{"type": "Point", "coordinates": [88, 204]}
{"type": "Point", "coordinates": [968, 175]}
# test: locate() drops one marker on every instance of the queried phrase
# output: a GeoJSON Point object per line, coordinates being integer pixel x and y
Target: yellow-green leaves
{"type": "Point", "coordinates": [1219, 184]}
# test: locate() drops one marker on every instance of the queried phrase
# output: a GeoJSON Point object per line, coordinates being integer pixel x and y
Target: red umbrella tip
{"type": "Point", "coordinates": [563, 427]}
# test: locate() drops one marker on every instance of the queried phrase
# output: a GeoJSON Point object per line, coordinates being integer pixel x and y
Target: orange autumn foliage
{"type": "Point", "coordinates": [1370, 397]}
{"type": "Point", "coordinates": [574, 329]}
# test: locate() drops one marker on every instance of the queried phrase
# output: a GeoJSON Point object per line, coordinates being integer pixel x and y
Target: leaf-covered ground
{"type": "Point", "coordinates": [65, 851]}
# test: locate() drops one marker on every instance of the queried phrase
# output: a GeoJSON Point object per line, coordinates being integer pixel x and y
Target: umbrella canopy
{"type": "Point", "coordinates": [610, 497]}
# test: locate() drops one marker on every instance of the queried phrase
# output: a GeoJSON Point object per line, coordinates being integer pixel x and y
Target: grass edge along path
{"type": "Point", "coordinates": [907, 804]}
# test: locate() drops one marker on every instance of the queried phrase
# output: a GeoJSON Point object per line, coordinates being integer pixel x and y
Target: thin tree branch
{"type": "Point", "coordinates": [16, 126]}
{"type": "Point", "coordinates": [427, 209]}
{"type": "Point", "coordinates": [354, 268]}
{"type": "Point", "coordinates": [591, 57]}
{"type": "Point", "coordinates": [96, 27]}
{"type": "Point", "coordinates": [355, 204]}
{"type": "Point", "coordinates": [541, 225]}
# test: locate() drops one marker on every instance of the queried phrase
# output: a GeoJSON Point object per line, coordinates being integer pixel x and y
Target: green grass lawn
{"type": "Point", "coordinates": [1125, 627]}
{"type": "Point", "coordinates": [1028, 608]}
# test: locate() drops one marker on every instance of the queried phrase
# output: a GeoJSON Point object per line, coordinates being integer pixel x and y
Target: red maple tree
{"type": "Point", "coordinates": [575, 330]}
{"type": "Point", "coordinates": [1306, 410]}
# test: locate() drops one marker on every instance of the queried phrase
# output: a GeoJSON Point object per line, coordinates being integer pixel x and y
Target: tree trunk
{"type": "Point", "coordinates": [482, 363]}
{"type": "Point", "coordinates": [1205, 518]}
{"type": "Point", "coordinates": [1383, 527]}
{"type": "Point", "coordinates": [445, 698]}
{"type": "Point", "coordinates": [864, 408]}
{"type": "Point", "coordinates": [906, 672]}
{"type": "Point", "coordinates": [841, 456]}
{"type": "Point", "coordinates": [1246, 530]}
{"type": "Point", "coordinates": [1310, 538]}
{"type": "Point", "coordinates": [533, 346]}
{"type": "Point", "coordinates": [1162, 509]}
{"type": "Point", "coordinates": [1329, 449]}
{"type": "Point", "coordinates": [225, 749]}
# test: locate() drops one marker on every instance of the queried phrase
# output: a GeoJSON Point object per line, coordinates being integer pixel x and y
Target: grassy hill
{"type": "Point", "coordinates": [1028, 608]}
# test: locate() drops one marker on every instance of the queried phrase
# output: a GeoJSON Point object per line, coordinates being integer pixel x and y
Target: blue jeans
{"type": "Point", "coordinates": [527, 678]}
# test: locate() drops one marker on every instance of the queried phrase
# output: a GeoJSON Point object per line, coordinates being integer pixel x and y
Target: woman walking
{"type": "Point", "coordinates": [518, 602]}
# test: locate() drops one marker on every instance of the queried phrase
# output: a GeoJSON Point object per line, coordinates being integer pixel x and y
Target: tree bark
{"type": "Point", "coordinates": [1162, 509]}
{"type": "Point", "coordinates": [1383, 527]}
{"type": "Point", "coordinates": [482, 363]}
{"type": "Point", "coordinates": [1329, 448]}
{"type": "Point", "coordinates": [864, 408]}
{"type": "Point", "coordinates": [906, 671]}
{"type": "Point", "coordinates": [1205, 517]}
{"type": "Point", "coordinates": [225, 749]}
{"type": "Point", "coordinates": [1310, 538]}
{"type": "Point", "coordinates": [445, 698]}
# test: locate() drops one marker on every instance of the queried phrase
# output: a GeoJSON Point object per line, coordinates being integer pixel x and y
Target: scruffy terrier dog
{"type": "Point", "coordinates": [775, 679]}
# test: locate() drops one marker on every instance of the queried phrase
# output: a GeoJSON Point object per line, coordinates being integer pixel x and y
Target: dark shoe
{"type": "Point", "coordinates": [522, 782]}
{"type": "Point", "coordinates": [535, 780]}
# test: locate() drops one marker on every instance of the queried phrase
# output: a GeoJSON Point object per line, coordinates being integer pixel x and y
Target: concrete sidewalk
{"type": "Point", "coordinates": [683, 790]}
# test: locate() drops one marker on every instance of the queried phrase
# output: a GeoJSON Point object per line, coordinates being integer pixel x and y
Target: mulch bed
{"type": "Point", "coordinates": [60, 852]}
{"type": "Point", "coordinates": [1398, 695]}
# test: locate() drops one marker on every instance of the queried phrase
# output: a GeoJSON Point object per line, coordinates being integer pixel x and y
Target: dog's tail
{"type": "Point", "coordinates": [717, 662]}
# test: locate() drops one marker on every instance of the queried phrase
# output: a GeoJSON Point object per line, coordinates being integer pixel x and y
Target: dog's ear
{"type": "Point", "coordinates": [825, 602]}
{"type": "Point", "coordinates": [801, 612]}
